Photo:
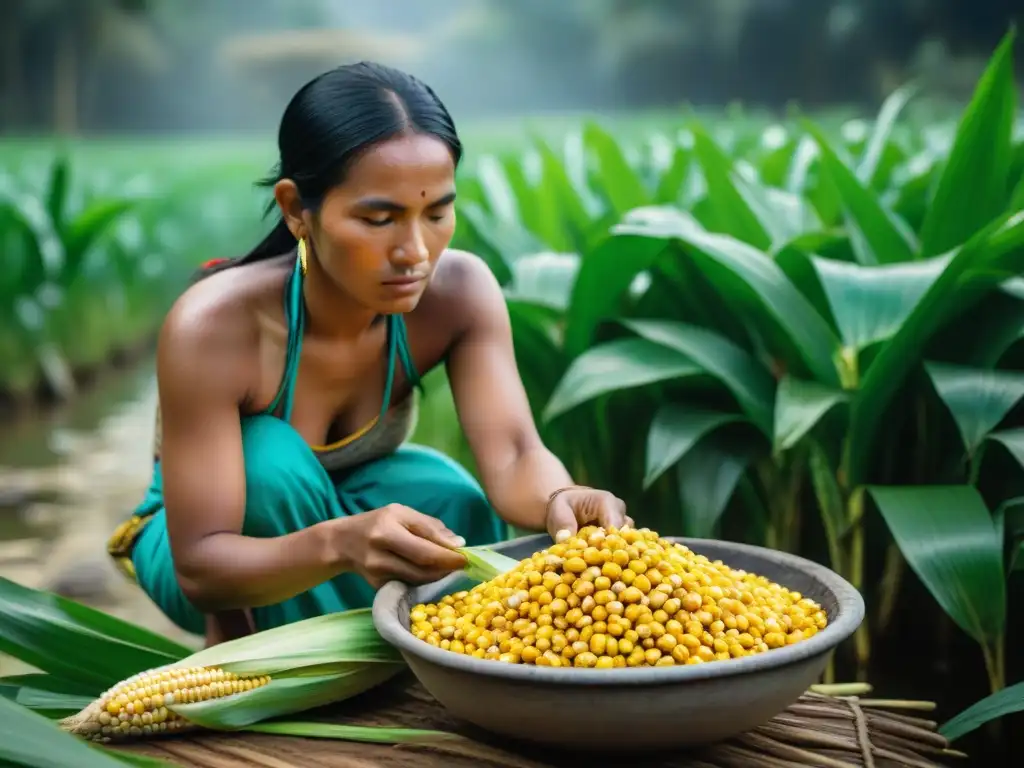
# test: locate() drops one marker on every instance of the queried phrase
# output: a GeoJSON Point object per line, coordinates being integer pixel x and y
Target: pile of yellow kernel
{"type": "Point", "coordinates": [618, 598]}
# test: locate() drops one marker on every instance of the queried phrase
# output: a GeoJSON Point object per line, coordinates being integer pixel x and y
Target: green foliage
{"type": "Point", "coordinates": [94, 255]}
{"type": "Point", "coordinates": [786, 332]}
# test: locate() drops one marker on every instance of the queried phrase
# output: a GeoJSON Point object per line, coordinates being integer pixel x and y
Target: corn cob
{"type": "Point", "coordinates": [138, 706]}
{"type": "Point", "coordinates": [235, 684]}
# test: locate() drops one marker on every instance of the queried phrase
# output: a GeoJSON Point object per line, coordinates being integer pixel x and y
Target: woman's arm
{"type": "Point", "coordinates": [518, 472]}
{"type": "Point", "coordinates": [204, 366]}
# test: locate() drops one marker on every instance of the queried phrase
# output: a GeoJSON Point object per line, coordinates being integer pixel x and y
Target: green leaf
{"type": "Point", "coordinates": [978, 399]}
{"type": "Point", "coordinates": [999, 704]}
{"type": "Point", "coordinates": [830, 503]}
{"type": "Point", "coordinates": [1013, 441]}
{"type": "Point", "coordinates": [343, 637]}
{"type": "Point", "coordinates": [484, 564]}
{"type": "Point", "coordinates": [30, 740]}
{"type": "Point", "coordinates": [614, 175]}
{"type": "Point", "coordinates": [544, 278]}
{"type": "Point", "coordinates": [947, 536]}
{"type": "Point", "coordinates": [604, 276]}
{"type": "Point", "coordinates": [288, 695]}
{"type": "Point", "coordinates": [750, 273]}
{"type": "Point", "coordinates": [75, 642]}
{"type": "Point", "coordinates": [875, 234]}
{"type": "Point", "coordinates": [799, 406]}
{"type": "Point", "coordinates": [730, 211]}
{"type": "Point", "coordinates": [572, 206]}
{"type": "Point", "coordinates": [707, 477]}
{"type": "Point", "coordinates": [867, 170]}
{"type": "Point", "coordinates": [670, 184]}
{"type": "Point", "coordinates": [748, 380]}
{"type": "Point", "coordinates": [85, 229]}
{"type": "Point", "coordinates": [870, 303]}
{"type": "Point", "coordinates": [361, 733]}
{"type": "Point", "coordinates": [979, 160]}
{"type": "Point", "coordinates": [674, 431]}
{"type": "Point", "coordinates": [617, 365]}
{"type": "Point", "coordinates": [43, 694]}
{"type": "Point", "coordinates": [992, 256]}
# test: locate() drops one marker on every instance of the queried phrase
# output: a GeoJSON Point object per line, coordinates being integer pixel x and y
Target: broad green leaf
{"type": "Point", "coordinates": [992, 256]}
{"type": "Point", "coordinates": [674, 431]}
{"type": "Point", "coordinates": [29, 740]}
{"type": "Point", "coordinates": [867, 170]}
{"type": "Point", "coordinates": [787, 217]}
{"type": "Point", "coordinates": [875, 234]}
{"type": "Point", "coordinates": [748, 381]}
{"type": "Point", "coordinates": [751, 271]}
{"type": "Point", "coordinates": [75, 642]}
{"type": "Point", "coordinates": [287, 696]}
{"type": "Point", "coordinates": [978, 399]}
{"type": "Point", "coordinates": [870, 303]}
{"type": "Point", "coordinates": [707, 477]}
{"type": "Point", "coordinates": [498, 193]}
{"type": "Point", "coordinates": [85, 229]}
{"type": "Point", "coordinates": [340, 638]}
{"type": "Point", "coordinates": [538, 351]}
{"type": "Point", "coordinates": [617, 365]}
{"type": "Point", "coordinates": [731, 212]}
{"type": "Point", "coordinates": [947, 536]}
{"type": "Point", "coordinates": [361, 733]}
{"type": "Point", "coordinates": [615, 177]}
{"type": "Point", "coordinates": [46, 694]}
{"type": "Point", "coordinates": [604, 275]}
{"type": "Point", "coordinates": [574, 209]}
{"type": "Point", "coordinates": [670, 185]}
{"type": "Point", "coordinates": [979, 160]}
{"type": "Point", "coordinates": [544, 278]}
{"type": "Point", "coordinates": [799, 406]}
{"type": "Point", "coordinates": [57, 189]}
{"type": "Point", "coordinates": [1013, 441]}
{"type": "Point", "coordinates": [999, 704]}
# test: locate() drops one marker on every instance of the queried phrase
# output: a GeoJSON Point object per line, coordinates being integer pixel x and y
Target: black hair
{"type": "Point", "coordinates": [331, 120]}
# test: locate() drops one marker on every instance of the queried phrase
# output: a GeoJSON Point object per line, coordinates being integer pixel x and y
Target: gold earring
{"type": "Point", "coordinates": [302, 255]}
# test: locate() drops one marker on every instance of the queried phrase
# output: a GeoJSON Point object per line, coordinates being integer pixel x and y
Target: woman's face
{"type": "Point", "coordinates": [379, 234]}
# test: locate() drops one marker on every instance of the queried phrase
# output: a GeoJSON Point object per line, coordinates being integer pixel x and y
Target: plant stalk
{"type": "Point", "coordinates": [862, 637]}
{"type": "Point", "coordinates": [995, 663]}
{"type": "Point", "coordinates": [892, 577]}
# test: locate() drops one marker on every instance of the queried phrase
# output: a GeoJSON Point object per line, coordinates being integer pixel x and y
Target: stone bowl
{"type": "Point", "coordinates": [647, 708]}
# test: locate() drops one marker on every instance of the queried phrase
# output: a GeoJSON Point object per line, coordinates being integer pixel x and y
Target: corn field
{"type": "Point", "coordinates": [798, 333]}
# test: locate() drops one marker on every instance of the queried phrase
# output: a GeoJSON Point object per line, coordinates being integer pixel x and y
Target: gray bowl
{"type": "Point", "coordinates": [636, 708]}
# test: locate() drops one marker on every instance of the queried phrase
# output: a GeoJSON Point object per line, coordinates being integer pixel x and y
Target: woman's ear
{"type": "Point", "coordinates": [286, 193]}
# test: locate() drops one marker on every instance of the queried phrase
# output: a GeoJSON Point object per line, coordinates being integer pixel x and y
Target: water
{"type": "Point", "coordinates": [66, 480]}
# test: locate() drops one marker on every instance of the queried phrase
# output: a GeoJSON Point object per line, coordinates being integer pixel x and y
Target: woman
{"type": "Point", "coordinates": [282, 486]}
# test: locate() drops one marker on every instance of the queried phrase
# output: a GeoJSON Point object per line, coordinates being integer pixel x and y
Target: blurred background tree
{"type": "Point", "coordinates": [186, 65]}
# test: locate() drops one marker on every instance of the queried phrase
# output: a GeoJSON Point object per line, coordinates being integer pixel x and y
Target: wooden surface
{"type": "Point", "coordinates": [403, 703]}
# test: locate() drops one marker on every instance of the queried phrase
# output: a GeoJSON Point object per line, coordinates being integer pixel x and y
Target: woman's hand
{"type": "Point", "coordinates": [570, 508]}
{"type": "Point", "coordinates": [398, 543]}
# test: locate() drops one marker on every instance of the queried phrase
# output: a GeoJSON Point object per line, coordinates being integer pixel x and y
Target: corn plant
{"type": "Point", "coordinates": [736, 334]}
{"type": "Point", "coordinates": [91, 262]}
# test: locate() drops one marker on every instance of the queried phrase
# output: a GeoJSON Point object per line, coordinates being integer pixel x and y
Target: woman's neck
{"type": "Point", "coordinates": [332, 313]}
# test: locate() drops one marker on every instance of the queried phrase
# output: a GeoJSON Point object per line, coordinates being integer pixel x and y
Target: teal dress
{"type": "Point", "coordinates": [291, 485]}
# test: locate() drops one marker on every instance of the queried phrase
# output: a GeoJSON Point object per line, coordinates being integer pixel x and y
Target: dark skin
{"type": "Point", "coordinates": [221, 355]}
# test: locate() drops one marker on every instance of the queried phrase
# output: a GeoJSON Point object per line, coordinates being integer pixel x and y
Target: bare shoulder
{"type": "Point", "coordinates": [212, 332]}
{"type": "Point", "coordinates": [466, 290]}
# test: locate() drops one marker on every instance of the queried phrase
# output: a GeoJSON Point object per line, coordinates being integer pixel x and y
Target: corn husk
{"type": "Point", "coordinates": [484, 564]}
